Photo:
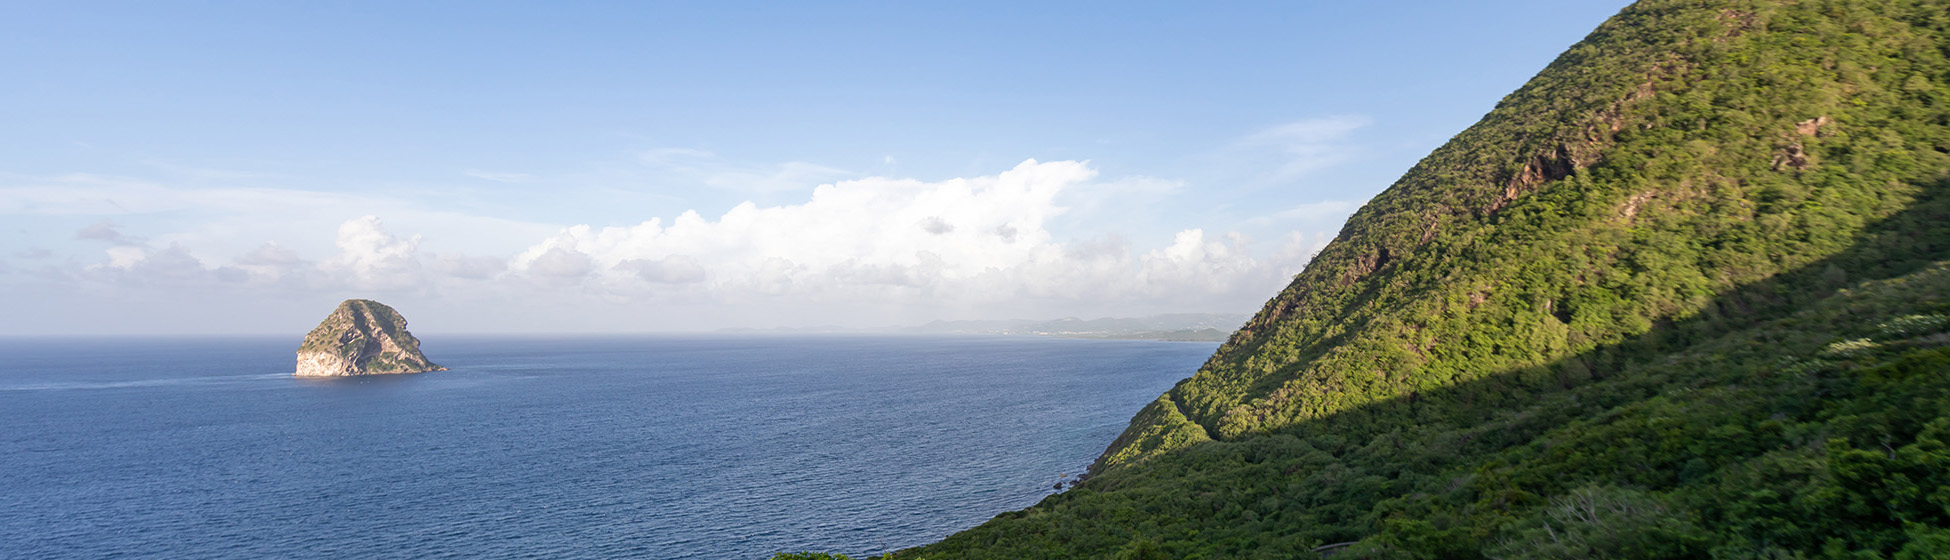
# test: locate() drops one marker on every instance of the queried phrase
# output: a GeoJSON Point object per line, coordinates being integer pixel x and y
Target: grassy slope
{"type": "Point", "coordinates": [1595, 319]}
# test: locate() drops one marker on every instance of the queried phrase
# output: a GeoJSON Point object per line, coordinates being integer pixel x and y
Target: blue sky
{"type": "Point", "coordinates": [225, 167]}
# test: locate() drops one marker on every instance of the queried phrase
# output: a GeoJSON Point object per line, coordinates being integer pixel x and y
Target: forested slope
{"type": "Point", "coordinates": [1681, 295]}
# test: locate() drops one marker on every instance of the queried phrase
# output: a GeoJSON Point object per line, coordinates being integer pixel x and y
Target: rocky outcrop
{"type": "Point", "coordinates": [361, 337]}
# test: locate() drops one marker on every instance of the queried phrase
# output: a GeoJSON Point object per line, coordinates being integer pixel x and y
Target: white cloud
{"type": "Point", "coordinates": [560, 265]}
{"type": "Point", "coordinates": [881, 241]}
{"type": "Point", "coordinates": [369, 258]}
{"type": "Point", "coordinates": [372, 258]}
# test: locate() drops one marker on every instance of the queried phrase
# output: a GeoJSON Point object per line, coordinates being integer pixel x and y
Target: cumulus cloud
{"type": "Point", "coordinates": [879, 240]}
{"type": "Point", "coordinates": [558, 264]}
{"type": "Point", "coordinates": [372, 258]}
{"type": "Point", "coordinates": [876, 231]}
{"type": "Point", "coordinates": [369, 258]}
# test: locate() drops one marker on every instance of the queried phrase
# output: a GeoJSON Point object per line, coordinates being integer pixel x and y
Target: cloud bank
{"type": "Point", "coordinates": [962, 241]}
{"type": "Point", "coordinates": [858, 251]}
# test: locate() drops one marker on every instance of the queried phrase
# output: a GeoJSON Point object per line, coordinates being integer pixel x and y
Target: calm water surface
{"type": "Point", "coordinates": [665, 447]}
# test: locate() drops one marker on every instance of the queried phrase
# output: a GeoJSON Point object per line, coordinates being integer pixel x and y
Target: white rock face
{"type": "Point", "coordinates": [324, 364]}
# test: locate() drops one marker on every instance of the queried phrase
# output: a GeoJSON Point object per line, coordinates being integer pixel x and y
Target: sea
{"type": "Point", "coordinates": [718, 447]}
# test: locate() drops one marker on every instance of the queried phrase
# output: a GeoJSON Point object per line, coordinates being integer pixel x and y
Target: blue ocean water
{"type": "Point", "coordinates": [594, 447]}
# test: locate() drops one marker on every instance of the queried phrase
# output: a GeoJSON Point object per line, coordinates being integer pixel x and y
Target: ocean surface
{"type": "Point", "coordinates": [591, 447]}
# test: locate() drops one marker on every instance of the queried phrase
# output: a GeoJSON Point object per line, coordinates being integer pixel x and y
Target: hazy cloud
{"type": "Point", "coordinates": [130, 266]}
{"type": "Point", "coordinates": [105, 231]}
{"type": "Point", "coordinates": [1306, 146]}
{"type": "Point", "coordinates": [673, 156]}
{"type": "Point", "coordinates": [904, 246]}
{"type": "Point", "coordinates": [498, 177]}
{"type": "Point", "coordinates": [707, 168]}
{"type": "Point", "coordinates": [1335, 210]}
{"type": "Point", "coordinates": [471, 268]}
{"type": "Point", "coordinates": [1281, 154]}
{"type": "Point", "coordinates": [271, 264]}
{"type": "Point", "coordinates": [674, 269]}
{"type": "Point", "coordinates": [270, 254]}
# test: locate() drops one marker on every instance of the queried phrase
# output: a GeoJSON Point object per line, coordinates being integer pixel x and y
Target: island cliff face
{"type": "Point", "coordinates": [361, 337]}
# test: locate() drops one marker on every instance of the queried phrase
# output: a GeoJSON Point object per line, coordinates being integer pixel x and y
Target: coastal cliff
{"type": "Point", "coordinates": [361, 337]}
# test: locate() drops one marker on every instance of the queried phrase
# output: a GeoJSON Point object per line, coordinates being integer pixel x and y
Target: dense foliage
{"type": "Point", "coordinates": [1680, 296]}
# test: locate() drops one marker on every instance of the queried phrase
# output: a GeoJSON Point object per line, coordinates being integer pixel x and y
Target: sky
{"type": "Point", "coordinates": [240, 167]}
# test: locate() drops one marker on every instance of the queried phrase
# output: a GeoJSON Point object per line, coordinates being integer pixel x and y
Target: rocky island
{"type": "Point", "coordinates": [361, 337]}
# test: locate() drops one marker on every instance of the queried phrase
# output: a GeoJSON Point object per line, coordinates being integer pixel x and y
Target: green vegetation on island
{"type": "Point", "coordinates": [1682, 295]}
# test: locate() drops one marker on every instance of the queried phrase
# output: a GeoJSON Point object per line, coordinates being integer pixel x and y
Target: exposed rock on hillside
{"type": "Point", "coordinates": [361, 337]}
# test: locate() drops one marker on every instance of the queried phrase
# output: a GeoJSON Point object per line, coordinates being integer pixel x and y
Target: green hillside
{"type": "Point", "coordinates": [1681, 295]}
